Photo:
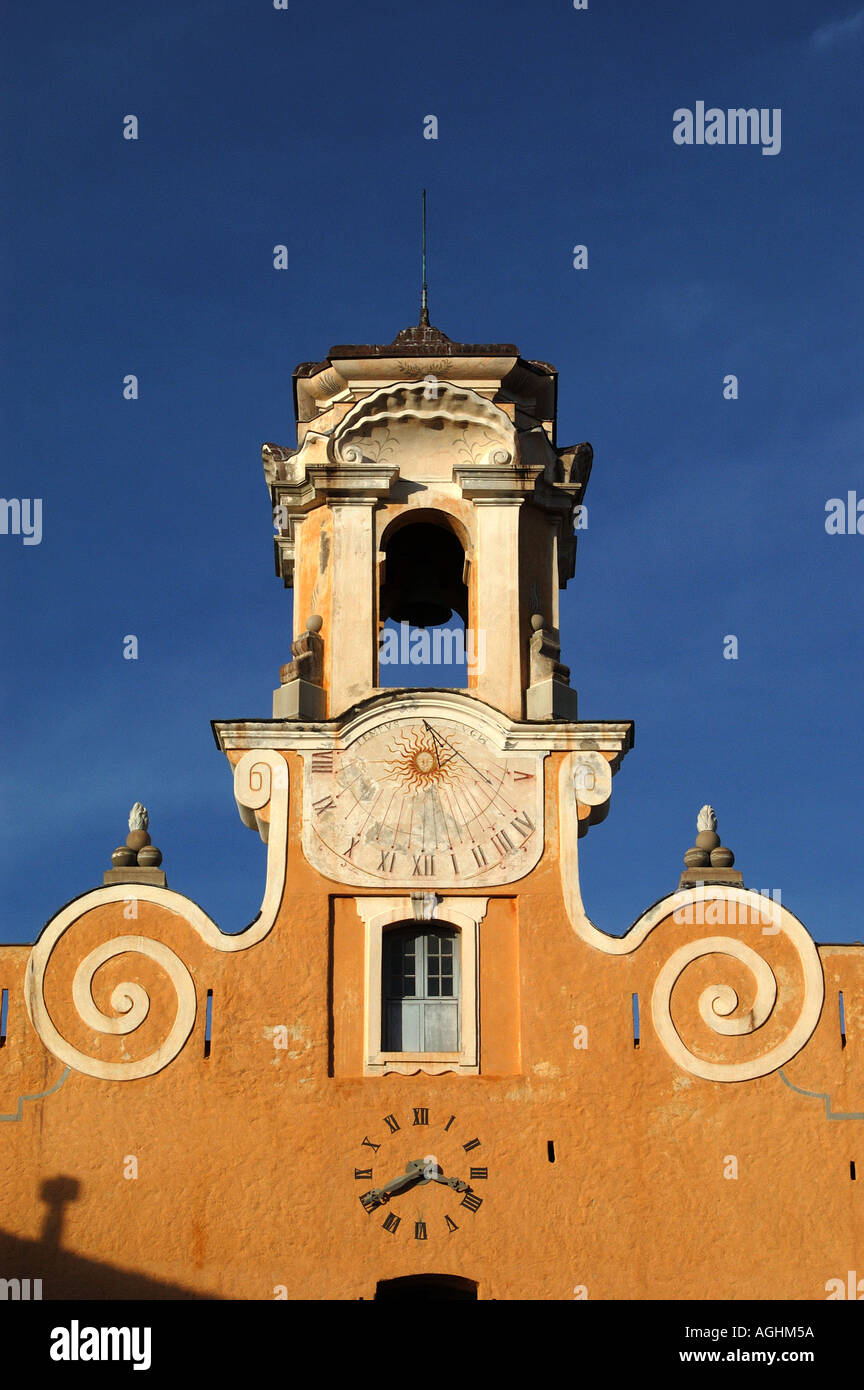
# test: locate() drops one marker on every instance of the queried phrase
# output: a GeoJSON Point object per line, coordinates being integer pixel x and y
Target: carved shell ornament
{"type": "Point", "coordinates": [741, 1031]}
{"type": "Point", "coordinates": [446, 405]}
{"type": "Point", "coordinates": [260, 785]}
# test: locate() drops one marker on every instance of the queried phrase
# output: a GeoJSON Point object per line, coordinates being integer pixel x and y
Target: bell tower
{"type": "Point", "coordinates": [426, 482]}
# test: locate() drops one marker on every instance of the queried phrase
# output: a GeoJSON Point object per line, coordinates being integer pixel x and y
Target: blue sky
{"type": "Point", "coordinates": [706, 516]}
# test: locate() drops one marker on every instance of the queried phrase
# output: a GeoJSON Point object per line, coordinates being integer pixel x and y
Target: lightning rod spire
{"type": "Point", "coordinates": [424, 302]}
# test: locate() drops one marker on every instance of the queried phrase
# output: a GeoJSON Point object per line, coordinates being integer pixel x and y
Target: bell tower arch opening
{"type": "Point", "coordinates": [423, 584]}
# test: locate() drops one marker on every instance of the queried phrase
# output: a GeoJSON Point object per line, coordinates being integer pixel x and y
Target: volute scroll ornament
{"type": "Point", "coordinates": [782, 972]}
{"type": "Point", "coordinates": [261, 791]}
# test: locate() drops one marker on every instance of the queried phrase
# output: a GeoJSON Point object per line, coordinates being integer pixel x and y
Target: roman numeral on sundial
{"type": "Point", "coordinates": [423, 864]}
{"type": "Point", "coordinates": [322, 762]}
{"type": "Point", "coordinates": [502, 842]}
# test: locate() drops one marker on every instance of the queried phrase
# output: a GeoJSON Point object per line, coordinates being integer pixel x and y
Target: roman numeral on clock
{"type": "Point", "coordinates": [392, 1123]}
{"type": "Point", "coordinates": [419, 1230]}
{"type": "Point", "coordinates": [472, 1144]}
{"type": "Point", "coordinates": [391, 1223]}
{"type": "Point", "coordinates": [475, 1174]}
{"type": "Point", "coordinates": [421, 1116]}
{"type": "Point", "coordinates": [471, 1201]}
{"type": "Point", "coordinates": [369, 1145]}
{"type": "Point", "coordinates": [451, 1224]}
{"type": "Point", "coordinates": [365, 1174]}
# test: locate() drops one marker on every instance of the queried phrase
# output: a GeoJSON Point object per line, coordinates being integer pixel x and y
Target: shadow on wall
{"type": "Point", "coordinates": [32, 1269]}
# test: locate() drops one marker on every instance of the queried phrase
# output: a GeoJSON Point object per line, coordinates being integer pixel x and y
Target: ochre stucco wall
{"type": "Point", "coordinates": [246, 1158]}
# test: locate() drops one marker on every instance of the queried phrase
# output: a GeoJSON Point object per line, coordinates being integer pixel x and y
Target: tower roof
{"type": "Point", "coordinates": [421, 340]}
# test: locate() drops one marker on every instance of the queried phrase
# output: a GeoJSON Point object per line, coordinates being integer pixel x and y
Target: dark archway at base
{"type": "Point", "coordinates": [425, 1286]}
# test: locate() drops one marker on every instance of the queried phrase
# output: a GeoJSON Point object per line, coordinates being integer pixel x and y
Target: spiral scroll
{"type": "Point", "coordinates": [260, 780]}
{"type": "Point", "coordinates": [718, 1002]}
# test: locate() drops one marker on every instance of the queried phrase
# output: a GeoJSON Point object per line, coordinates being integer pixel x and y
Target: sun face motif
{"type": "Point", "coordinates": [420, 764]}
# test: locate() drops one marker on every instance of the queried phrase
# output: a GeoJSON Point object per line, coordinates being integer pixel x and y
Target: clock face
{"type": "Point", "coordinates": [417, 802]}
{"type": "Point", "coordinates": [420, 1176]}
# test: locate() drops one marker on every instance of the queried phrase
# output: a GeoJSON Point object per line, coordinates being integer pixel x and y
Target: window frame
{"type": "Point", "coordinates": [463, 915]}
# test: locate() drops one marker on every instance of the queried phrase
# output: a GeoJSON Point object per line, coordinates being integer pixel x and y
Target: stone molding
{"type": "Point", "coordinates": [380, 912]}
{"type": "Point", "coordinates": [505, 734]}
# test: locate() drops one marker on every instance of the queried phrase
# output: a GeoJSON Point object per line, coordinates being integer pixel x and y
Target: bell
{"type": "Point", "coordinates": [423, 584]}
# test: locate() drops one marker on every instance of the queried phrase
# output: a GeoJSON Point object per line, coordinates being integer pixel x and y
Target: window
{"type": "Point", "coordinates": [421, 990]}
{"type": "Point", "coordinates": [421, 1005]}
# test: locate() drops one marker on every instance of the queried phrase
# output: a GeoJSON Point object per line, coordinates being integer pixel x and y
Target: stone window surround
{"type": "Point", "coordinates": [465, 915]}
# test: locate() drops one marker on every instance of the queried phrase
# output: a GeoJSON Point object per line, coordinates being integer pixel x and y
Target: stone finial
{"type": "Point", "coordinates": [308, 653]}
{"type": "Point", "coordinates": [545, 649]}
{"type": "Point", "coordinates": [549, 694]}
{"type": "Point", "coordinates": [138, 860]}
{"type": "Point", "coordinates": [301, 693]}
{"type": "Point", "coordinates": [708, 860]}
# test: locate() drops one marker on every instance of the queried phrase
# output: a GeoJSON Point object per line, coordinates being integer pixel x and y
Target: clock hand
{"type": "Point", "coordinates": [456, 1183]}
{"type": "Point", "coordinates": [436, 1174]}
{"type": "Point", "coordinates": [378, 1196]}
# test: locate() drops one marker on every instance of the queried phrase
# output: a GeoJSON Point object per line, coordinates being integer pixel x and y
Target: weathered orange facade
{"type": "Point", "coordinates": [709, 1154]}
